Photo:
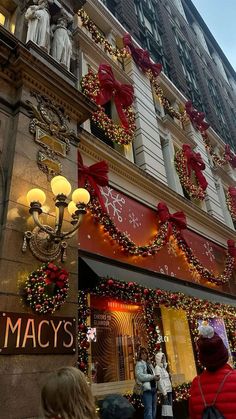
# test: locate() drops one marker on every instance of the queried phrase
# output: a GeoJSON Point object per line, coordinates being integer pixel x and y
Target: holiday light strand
{"type": "Point", "coordinates": [116, 133]}
{"type": "Point", "coordinates": [194, 191]}
{"type": "Point", "coordinates": [231, 204]}
{"type": "Point", "coordinates": [99, 38]}
{"type": "Point", "coordinates": [149, 299]}
{"type": "Point", "coordinates": [156, 244]}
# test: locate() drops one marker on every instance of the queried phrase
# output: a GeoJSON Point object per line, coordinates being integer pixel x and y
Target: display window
{"type": "Point", "coordinates": [116, 331]}
{"type": "Point", "coordinates": [178, 344]}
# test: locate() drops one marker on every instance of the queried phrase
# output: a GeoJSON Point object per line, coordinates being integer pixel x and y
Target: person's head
{"type": "Point", "coordinates": [143, 354]}
{"type": "Point", "coordinates": [116, 406]}
{"type": "Point", "coordinates": [213, 353]}
{"type": "Point", "coordinates": [67, 395]}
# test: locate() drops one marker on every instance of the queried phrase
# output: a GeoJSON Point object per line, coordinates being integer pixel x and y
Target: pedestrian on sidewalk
{"type": "Point", "coordinates": [67, 395]}
{"type": "Point", "coordinates": [215, 389]}
{"type": "Point", "coordinates": [145, 376]}
{"type": "Point", "coordinates": [165, 385]}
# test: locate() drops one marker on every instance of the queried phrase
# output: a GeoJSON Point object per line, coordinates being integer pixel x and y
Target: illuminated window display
{"type": "Point", "coordinates": [119, 330]}
{"type": "Point", "coordinates": [178, 344]}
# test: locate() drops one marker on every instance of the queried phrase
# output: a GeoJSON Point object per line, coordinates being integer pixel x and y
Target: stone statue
{"type": "Point", "coordinates": [38, 18]}
{"type": "Point", "coordinates": [62, 44]}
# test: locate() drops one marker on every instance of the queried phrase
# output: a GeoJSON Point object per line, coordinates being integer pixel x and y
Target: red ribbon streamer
{"type": "Point", "coordinates": [123, 94]}
{"type": "Point", "coordinates": [197, 118]}
{"type": "Point", "coordinates": [96, 175]}
{"type": "Point", "coordinates": [230, 156]}
{"type": "Point", "coordinates": [141, 57]}
{"type": "Point", "coordinates": [195, 163]}
{"type": "Point", "coordinates": [231, 248]}
{"type": "Point", "coordinates": [178, 219]}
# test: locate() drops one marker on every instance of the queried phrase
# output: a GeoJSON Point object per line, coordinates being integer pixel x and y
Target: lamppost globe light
{"type": "Point", "coordinates": [81, 196]}
{"type": "Point", "coordinates": [72, 208]}
{"type": "Point", "coordinates": [60, 186]}
{"type": "Point", "coordinates": [36, 195]}
{"type": "Point", "coordinates": [56, 178]}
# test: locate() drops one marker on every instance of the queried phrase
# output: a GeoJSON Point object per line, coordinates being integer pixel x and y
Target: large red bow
{"type": "Point", "coordinates": [123, 94]}
{"type": "Point", "coordinates": [96, 174]}
{"type": "Point", "coordinates": [178, 219]}
{"type": "Point", "coordinates": [230, 156]}
{"type": "Point", "coordinates": [195, 163]}
{"type": "Point", "coordinates": [197, 118]}
{"type": "Point", "coordinates": [231, 248]}
{"type": "Point", "coordinates": [56, 276]}
{"type": "Point", "coordinates": [141, 57]}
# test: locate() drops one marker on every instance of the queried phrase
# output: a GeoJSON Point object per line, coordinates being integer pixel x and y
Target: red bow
{"type": "Point", "coordinates": [96, 174]}
{"type": "Point", "coordinates": [231, 248]}
{"type": "Point", "coordinates": [56, 276]}
{"type": "Point", "coordinates": [197, 118]}
{"type": "Point", "coordinates": [123, 94]}
{"type": "Point", "coordinates": [230, 156]}
{"type": "Point", "coordinates": [195, 163]}
{"type": "Point", "coordinates": [141, 57]}
{"type": "Point", "coordinates": [178, 219]}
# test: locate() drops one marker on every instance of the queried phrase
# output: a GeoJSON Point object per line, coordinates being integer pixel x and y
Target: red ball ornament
{"type": "Point", "coordinates": [146, 291]}
{"type": "Point", "coordinates": [110, 282]}
{"type": "Point", "coordinates": [130, 284]}
{"type": "Point", "coordinates": [82, 366]}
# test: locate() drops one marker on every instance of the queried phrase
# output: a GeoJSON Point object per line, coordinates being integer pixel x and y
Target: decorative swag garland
{"type": "Point", "coordinates": [196, 309]}
{"type": "Point", "coordinates": [101, 88]}
{"type": "Point", "coordinates": [187, 161]}
{"type": "Point", "coordinates": [169, 224]}
{"type": "Point", "coordinates": [142, 59]}
{"type": "Point", "coordinates": [46, 289]}
{"type": "Point", "coordinates": [231, 202]}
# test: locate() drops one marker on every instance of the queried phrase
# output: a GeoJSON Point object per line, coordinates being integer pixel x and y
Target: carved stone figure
{"type": "Point", "coordinates": [61, 44]}
{"type": "Point", "coordinates": [38, 18]}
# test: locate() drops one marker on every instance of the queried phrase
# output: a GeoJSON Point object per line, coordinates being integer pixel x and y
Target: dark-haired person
{"type": "Point", "coordinates": [217, 384]}
{"type": "Point", "coordinates": [145, 375]}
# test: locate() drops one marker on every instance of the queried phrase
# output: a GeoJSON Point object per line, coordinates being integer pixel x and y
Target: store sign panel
{"type": "Point", "coordinates": [21, 333]}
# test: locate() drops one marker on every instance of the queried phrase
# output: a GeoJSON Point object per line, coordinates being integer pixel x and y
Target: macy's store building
{"type": "Point", "coordinates": [157, 293]}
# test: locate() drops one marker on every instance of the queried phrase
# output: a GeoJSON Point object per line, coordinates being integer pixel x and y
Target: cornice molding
{"type": "Point", "coordinates": [120, 166]}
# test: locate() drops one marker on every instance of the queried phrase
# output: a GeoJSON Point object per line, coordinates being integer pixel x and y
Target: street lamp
{"type": "Point", "coordinates": [45, 242]}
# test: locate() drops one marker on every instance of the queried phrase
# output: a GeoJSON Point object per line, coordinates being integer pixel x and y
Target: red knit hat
{"type": "Point", "coordinates": [213, 353]}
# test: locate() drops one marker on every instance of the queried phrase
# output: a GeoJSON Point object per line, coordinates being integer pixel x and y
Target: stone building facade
{"type": "Point", "coordinates": [142, 172]}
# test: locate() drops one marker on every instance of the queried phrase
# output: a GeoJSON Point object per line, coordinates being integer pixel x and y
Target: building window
{"type": "Point", "coordinates": [7, 20]}
{"type": "Point", "coordinates": [179, 347]}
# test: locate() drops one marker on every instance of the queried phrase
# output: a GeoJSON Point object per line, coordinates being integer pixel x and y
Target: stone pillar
{"type": "Point", "coordinates": [171, 174]}
{"type": "Point", "coordinates": [147, 144]}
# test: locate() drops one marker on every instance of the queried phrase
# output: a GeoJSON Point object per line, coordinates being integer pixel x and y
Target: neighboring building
{"type": "Point", "coordinates": [141, 174]}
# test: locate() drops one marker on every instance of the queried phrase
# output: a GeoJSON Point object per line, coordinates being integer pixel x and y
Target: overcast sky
{"type": "Point", "coordinates": [220, 17]}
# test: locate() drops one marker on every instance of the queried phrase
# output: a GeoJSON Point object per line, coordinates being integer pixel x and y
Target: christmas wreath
{"type": "Point", "coordinates": [187, 161]}
{"type": "Point", "coordinates": [101, 88]}
{"type": "Point", "coordinates": [46, 289]}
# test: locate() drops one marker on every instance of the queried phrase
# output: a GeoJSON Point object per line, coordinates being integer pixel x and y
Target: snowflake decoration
{"type": "Point", "coordinates": [133, 220]}
{"type": "Point", "coordinates": [209, 251]}
{"type": "Point", "coordinates": [165, 270]}
{"type": "Point", "coordinates": [127, 234]}
{"type": "Point", "coordinates": [113, 202]}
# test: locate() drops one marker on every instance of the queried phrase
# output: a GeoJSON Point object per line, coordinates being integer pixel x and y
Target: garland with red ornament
{"type": "Point", "coordinates": [101, 88]}
{"type": "Point", "coordinates": [150, 299]}
{"type": "Point", "coordinates": [231, 202]}
{"type": "Point", "coordinates": [46, 289]}
{"type": "Point", "coordinates": [187, 161]}
{"type": "Point", "coordinates": [169, 224]}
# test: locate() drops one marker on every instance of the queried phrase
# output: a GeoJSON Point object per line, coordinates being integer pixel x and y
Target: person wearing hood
{"type": "Point", "coordinates": [215, 388]}
{"type": "Point", "coordinates": [164, 385]}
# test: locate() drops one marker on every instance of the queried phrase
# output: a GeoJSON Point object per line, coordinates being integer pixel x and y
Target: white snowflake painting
{"type": "Point", "coordinates": [165, 270]}
{"type": "Point", "coordinates": [133, 220]}
{"type": "Point", "coordinates": [209, 252]}
{"type": "Point", "coordinates": [171, 248]}
{"type": "Point", "coordinates": [113, 202]}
